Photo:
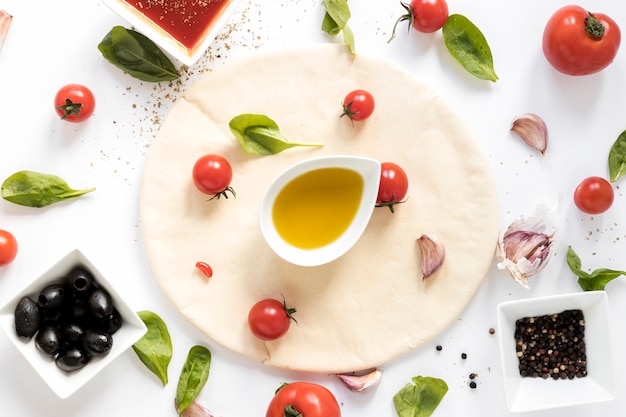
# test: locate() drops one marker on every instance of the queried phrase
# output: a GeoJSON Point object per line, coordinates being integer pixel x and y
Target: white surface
{"type": "Point", "coordinates": [584, 117]}
{"type": "Point", "coordinates": [529, 394]}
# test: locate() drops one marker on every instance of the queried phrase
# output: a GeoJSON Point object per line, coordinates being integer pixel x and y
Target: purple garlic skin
{"type": "Point", "coordinates": [533, 130]}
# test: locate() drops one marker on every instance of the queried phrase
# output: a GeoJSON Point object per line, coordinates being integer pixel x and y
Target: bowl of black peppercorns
{"type": "Point", "coordinates": [70, 323]}
{"type": "Point", "coordinates": [556, 351]}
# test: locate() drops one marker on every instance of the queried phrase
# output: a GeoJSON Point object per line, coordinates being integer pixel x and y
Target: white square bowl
{"type": "Point", "coordinates": [166, 41]}
{"type": "Point", "coordinates": [529, 394]}
{"type": "Point", "coordinates": [64, 383]}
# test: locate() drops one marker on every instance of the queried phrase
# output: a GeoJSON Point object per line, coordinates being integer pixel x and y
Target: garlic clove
{"type": "Point", "coordinates": [194, 410]}
{"type": "Point", "coordinates": [433, 255]}
{"type": "Point", "coordinates": [5, 23]}
{"type": "Point", "coordinates": [362, 381]}
{"type": "Point", "coordinates": [533, 130]}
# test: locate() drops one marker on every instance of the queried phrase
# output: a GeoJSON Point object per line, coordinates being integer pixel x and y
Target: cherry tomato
{"type": "Point", "coordinates": [594, 195]}
{"type": "Point", "coordinates": [212, 175]}
{"type": "Point", "coordinates": [425, 16]}
{"type": "Point", "coordinates": [303, 399]}
{"type": "Point", "coordinates": [74, 103]}
{"type": "Point", "coordinates": [358, 105]}
{"type": "Point", "coordinates": [577, 42]}
{"type": "Point", "coordinates": [270, 319]}
{"type": "Point", "coordinates": [393, 186]}
{"type": "Point", "coordinates": [8, 248]}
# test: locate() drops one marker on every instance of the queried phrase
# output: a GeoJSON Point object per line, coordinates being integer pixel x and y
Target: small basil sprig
{"type": "Point", "coordinates": [421, 397]}
{"type": "Point", "coordinates": [137, 55]}
{"type": "Point", "coordinates": [617, 158]}
{"type": "Point", "coordinates": [336, 16]}
{"type": "Point", "coordinates": [154, 349]}
{"type": "Point", "coordinates": [594, 281]}
{"type": "Point", "coordinates": [468, 46]}
{"type": "Point", "coordinates": [259, 135]}
{"type": "Point", "coordinates": [34, 189]}
{"type": "Point", "coordinates": [193, 376]}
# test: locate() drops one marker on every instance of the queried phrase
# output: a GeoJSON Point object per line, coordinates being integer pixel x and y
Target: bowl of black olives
{"type": "Point", "coordinates": [70, 323]}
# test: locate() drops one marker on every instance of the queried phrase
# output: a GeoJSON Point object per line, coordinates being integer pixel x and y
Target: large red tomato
{"type": "Point", "coordinates": [303, 399]}
{"type": "Point", "coordinates": [577, 42]}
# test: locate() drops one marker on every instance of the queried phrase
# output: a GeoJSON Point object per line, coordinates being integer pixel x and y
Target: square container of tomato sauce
{"type": "Point", "coordinates": [182, 28]}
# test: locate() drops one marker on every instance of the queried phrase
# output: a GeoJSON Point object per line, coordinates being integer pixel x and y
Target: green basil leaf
{"type": "Point", "coordinates": [34, 189]}
{"type": "Point", "coordinates": [259, 135]}
{"type": "Point", "coordinates": [336, 16]}
{"type": "Point", "coordinates": [421, 397]}
{"type": "Point", "coordinates": [137, 55]}
{"type": "Point", "coordinates": [468, 46]}
{"type": "Point", "coordinates": [193, 376]}
{"type": "Point", "coordinates": [594, 281]}
{"type": "Point", "coordinates": [617, 158]}
{"type": "Point", "coordinates": [154, 349]}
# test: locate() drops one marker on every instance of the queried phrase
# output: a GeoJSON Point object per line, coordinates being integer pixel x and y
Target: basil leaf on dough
{"type": "Point", "coordinates": [421, 397]}
{"type": "Point", "coordinates": [154, 349]}
{"type": "Point", "coordinates": [259, 135]}
{"type": "Point", "coordinates": [193, 376]}
{"type": "Point", "coordinates": [617, 158]}
{"type": "Point", "coordinates": [137, 55]}
{"type": "Point", "coordinates": [468, 46]}
{"type": "Point", "coordinates": [336, 16]}
{"type": "Point", "coordinates": [34, 189]}
{"type": "Point", "coordinates": [594, 281]}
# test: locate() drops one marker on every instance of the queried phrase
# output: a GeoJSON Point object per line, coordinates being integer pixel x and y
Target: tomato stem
{"type": "Point", "coordinates": [594, 27]}
{"type": "Point", "coordinates": [70, 108]}
{"type": "Point", "coordinates": [408, 16]}
{"type": "Point", "coordinates": [390, 204]}
{"type": "Point", "coordinates": [224, 193]}
{"type": "Point", "coordinates": [289, 310]}
{"type": "Point", "coordinates": [290, 411]}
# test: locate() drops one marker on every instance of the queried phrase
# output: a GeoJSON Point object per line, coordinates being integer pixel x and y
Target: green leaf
{"type": "Point", "coordinates": [137, 55]}
{"type": "Point", "coordinates": [193, 376]}
{"type": "Point", "coordinates": [34, 189]}
{"type": "Point", "coordinates": [259, 135]}
{"type": "Point", "coordinates": [154, 349]}
{"type": "Point", "coordinates": [421, 397]}
{"type": "Point", "coordinates": [336, 16]}
{"type": "Point", "coordinates": [468, 46]}
{"type": "Point", "coordinates": [617, 158]}
{"type": "Point", "coordinates": [594, 281]}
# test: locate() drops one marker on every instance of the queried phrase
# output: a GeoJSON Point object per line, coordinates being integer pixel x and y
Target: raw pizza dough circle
{"type": "Point", "coordinates": [370, 305]}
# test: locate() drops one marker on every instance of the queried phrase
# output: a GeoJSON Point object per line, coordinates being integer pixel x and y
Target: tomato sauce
{"type": "Point", "coordinates": [187, 21]}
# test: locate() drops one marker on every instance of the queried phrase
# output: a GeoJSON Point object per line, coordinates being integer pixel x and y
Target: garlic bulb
{"type": "Point", "coordinates": [433, 255]}
{"type": "Point", "coordinates": [195, 410]}
{"type": "Point", "coordinates": [5, 22]}
{"type": "Point", "coordinates": [533, 130]}
{"type": "Point", "coordinates": [362, 382]}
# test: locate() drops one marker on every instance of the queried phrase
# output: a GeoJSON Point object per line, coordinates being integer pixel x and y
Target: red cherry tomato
{"type": "Point", "coordinates": [8, 247]}
{"type": "Point", "coordinates": [212, 175]}
{"type": "Point", "coordinates": [358, 105]}
{"type": "Point", "coordinates": [594, 195]}
{"type": "Point", "coordinates": [303, 399]}
{"type": "Point", "coordinates": [393, 186]}
{"type": "Point", "coordinates": [270, 319]}
{"type": "Point", "coordinates": [577, 42]}
{"type": "Point", "coordinates": [425, 16]}
{"type": "Point", "coordinates": [74, 103]}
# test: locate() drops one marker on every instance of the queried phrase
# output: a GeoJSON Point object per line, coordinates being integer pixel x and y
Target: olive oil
{"type": "Point", "coordinates": [315, 208]}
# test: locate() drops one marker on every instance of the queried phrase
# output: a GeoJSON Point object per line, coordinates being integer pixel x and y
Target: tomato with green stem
{"type": "Point", "coordinates": [425, 16]}
{"type": "Point", "coordinates": [74, 103]}
{"type": "Point", "coordinates": [303, 399]}
{"type": "Point", "coordinates": [8, 247]}
{"type": "Point", "coordinates": [270, 319]}
{"type": "Point", "coordinates": [212, 175]}
{"type": "Point", "coordinates": [594, 195]}
{"type": "Point", "coordinates": [358, 105]}
{"type": "Point", "coordinates": [393, 187]}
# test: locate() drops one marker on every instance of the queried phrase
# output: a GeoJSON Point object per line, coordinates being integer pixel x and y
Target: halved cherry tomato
{"type": "Point", "coordinates": [577, 42]}
{"type": "Point", "coordinates": [393, 186]}
{"type": "Point", "coordinates": [8, 247]}
{"type": "Point", "coordinates": [425, 16]}
{"type": "Point", "coordinates": [212, 175]}
{"type": "Point", "coordinates": [303, 399]}
{"type": "Point", "coordinates": [270, 319]}
{"type": "Point", "coordinates": [358, 105]}
{"type": "Point", "coordinates": [594, 195]}
{"type": "Point", "coordinates": [74, 103]}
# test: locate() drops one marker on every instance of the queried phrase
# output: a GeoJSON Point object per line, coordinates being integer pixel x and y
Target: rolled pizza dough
{"type": "Point", "coordinates": [370, 305]}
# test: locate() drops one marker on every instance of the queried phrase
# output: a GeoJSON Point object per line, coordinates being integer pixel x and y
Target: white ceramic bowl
{"type": "Point", "coordinates": [166, 41]}
{"type": "Point", "coordinates": [367, 168]}
{"type": "Point", "coordinates": [64, 383]}
{"type": "Point", "coordinates": [528, 394]}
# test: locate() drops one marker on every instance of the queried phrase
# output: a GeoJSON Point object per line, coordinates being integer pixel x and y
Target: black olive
{"type": "Point", "coordinates": [72, 358]}
{"type": "Point", "coordinates": [100, 303]}
{"type": "Point", "coordinates": [27, 317]}
{"type": "Point", "coordinates": [79, 309]}
{"type": "Point", "coordinates": [52, 296]}
{"type": "Point", "coordinates": [48, 340]}
{"type": "Point", "coordinates": [72, 332]}
{"type": "Point", "coordinates": [97, 342]}
{"type": "Point", "coordinates": [111, 322]}
{"type": "Point", "coordinates": [79, 280]}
